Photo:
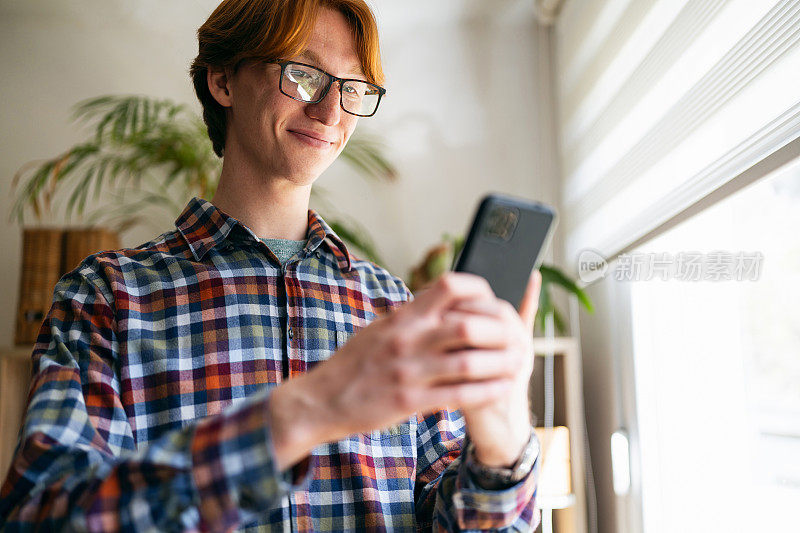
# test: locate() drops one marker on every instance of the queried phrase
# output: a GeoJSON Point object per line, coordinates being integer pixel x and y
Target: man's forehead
{"type": "Point", "coordinates": [313, 57]}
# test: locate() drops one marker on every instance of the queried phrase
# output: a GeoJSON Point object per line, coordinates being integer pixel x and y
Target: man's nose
{"type": "Point", "coordinates": [328, 110]}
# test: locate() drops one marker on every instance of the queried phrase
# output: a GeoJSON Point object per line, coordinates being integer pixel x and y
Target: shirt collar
{"type": "Point", "coordinates": [204, 227]}
{"type": "Point", "coordinates": [319, 232]}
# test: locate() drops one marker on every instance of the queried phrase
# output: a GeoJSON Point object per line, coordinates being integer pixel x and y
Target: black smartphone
{"type": "Point", "coordinates": [506, 242]}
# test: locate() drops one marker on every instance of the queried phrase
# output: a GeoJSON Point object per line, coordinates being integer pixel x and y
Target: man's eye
{"type": "Point", "coordinates": [352, 92]}
{"type": "Point", "coordinates": [299, 75]}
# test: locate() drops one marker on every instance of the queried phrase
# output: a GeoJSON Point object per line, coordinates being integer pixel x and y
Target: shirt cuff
{"type": "Point", "coordinates": [234, 466]}
{"type": "Point", "coordinates": [501, 478]}
{"type": "Point", "coordinates": [477, 508]}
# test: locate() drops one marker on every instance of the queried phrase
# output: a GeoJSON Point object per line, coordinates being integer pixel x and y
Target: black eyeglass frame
{"type": "Point", "coordinates": [331, 79]}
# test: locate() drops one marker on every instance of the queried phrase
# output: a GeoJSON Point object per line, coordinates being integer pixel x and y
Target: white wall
{"type": "Point", "coordinates": [452, 127]}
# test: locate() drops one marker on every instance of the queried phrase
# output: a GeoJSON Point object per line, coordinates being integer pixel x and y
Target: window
{"type": "Point", "coordinates": [716, 352]}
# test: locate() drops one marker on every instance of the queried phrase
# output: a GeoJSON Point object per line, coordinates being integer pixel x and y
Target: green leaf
{"type": "Point", "coordinates": [558, 322]}
{"type": "Point", "coordinates": [366, 155]}
{"type": "Point", "coordinates": [554, 275]}
{"type": "Point", "coordinates": [353, 235]}
{"type": "Point", "coordinates": [85, 190]}
{"type": "Point", "coordinates": [131, 138]}
{"type": "Point", "coordinates": [544, 309]}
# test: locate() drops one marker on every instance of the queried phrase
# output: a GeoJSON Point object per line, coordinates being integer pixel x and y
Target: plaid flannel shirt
{"type": "Point", "coordinates": [152, 376]}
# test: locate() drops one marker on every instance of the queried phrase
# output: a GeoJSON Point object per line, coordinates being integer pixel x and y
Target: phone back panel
{"type": "Point", "coordinates": [506, 242]}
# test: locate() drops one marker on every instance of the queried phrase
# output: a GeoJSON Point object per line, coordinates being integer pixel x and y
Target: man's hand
{"type": "Point", "coordinates": [456, 345]}
{"type": "Point", "coordinates": [501, 428]}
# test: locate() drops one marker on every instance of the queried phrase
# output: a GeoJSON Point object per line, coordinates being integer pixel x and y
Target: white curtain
{"type": "Point", "coordinates": [662, 102]}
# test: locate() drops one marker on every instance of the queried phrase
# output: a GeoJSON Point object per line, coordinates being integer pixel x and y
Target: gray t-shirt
{"type": "Point", "coordinates": [284, 249]}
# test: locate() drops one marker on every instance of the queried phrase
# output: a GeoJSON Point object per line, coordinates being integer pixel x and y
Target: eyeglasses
{"type": "Point", "coordinates": [311, 85]}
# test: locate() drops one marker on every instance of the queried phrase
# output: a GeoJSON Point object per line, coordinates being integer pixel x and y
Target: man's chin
{"type": "Point", "coordinates": [306, 173]}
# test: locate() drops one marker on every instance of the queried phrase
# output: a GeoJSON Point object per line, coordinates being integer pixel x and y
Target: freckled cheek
{"type": "Point", "coordinates": [348, 132]}
{"type": "Point", "coordinates": [272, 118]}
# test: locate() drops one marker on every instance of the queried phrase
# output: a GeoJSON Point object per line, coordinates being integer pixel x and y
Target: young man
{"type": "Point", "coordinates": [245, 370]}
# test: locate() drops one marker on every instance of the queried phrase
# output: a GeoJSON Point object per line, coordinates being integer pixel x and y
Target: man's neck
{"type": "Point", "coordinates": [273, 207]}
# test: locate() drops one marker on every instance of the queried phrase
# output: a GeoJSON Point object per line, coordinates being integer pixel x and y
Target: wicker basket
{"type": "Point", "coordinates": [80, 243]}
{"type": "Point", "coordinates": [48, 254]}
{"type": "Point", "coordinates": [41, 269]}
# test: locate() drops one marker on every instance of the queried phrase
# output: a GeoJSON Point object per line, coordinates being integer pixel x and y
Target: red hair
{"type": "Point", "coordinates": [271, 30]}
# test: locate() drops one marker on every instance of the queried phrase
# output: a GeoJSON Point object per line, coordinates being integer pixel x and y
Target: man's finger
{"type": "Point", "coordinates": [460, 330]}
{"type": "Point", "coordinates": [451, 288]}
{"type": "Point", "coordinates": [490, 308]}
{"type": "Point", "coordinates": [476, 365]}
{"type": "Point", "coordinates": [459, 367]}
{"type": "Point", "coordinates": [470, 394]}
{"type": "Point", "coordinates": [530, 301]}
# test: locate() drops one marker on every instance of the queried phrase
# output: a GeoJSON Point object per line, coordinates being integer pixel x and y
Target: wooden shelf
{"type": "Point", "coordinates": [15, 376]}
{"type": "Point", "coordinates": [568, 510]}
{"type": "Point", "coordinates": [557, 502]}
{"type": "Point", "coordinates": [561, 346]}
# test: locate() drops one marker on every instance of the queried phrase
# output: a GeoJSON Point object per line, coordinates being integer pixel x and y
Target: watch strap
{"type": "Point", "coordinates": [495, 478]}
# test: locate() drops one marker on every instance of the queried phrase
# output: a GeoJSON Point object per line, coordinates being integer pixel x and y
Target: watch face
{"type": "Point", "coordinates": [528, 457]}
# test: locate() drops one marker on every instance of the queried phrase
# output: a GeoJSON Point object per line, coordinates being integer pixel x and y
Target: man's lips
{"type": "Point", "coordinates": [311, 138]}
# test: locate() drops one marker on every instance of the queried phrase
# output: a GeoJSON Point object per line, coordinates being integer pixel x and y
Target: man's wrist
{"type": "Point", "coordinates": [293, 422]}
{"type": "Point", "coordinates": [495, 478]}
{"type": "Point", "coordinates": [504, 452]}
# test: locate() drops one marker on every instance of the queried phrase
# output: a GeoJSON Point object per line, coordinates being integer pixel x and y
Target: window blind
{"type": "Point", "coordinates": [661, 103]}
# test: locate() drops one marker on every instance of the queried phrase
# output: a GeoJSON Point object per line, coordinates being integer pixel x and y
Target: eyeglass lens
{"type": "Point", "coordinates": [307, 84]}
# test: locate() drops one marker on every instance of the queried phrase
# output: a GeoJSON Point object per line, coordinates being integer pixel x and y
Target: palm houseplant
{"type": "Point", "coordinates": [143, 158]}
{"type": "Point", "coordinates": [146, 154]}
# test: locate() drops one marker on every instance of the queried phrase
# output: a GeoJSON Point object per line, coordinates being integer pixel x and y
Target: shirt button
{"type": "Point", "coordinates": [291, 333]}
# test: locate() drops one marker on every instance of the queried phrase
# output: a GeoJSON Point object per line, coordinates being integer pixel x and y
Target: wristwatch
{"type": "Point", "coordinates": [496, 478]}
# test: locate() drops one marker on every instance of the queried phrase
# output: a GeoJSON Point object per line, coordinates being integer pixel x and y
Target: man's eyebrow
{"type": "Point", "coordinates": [314, 58]}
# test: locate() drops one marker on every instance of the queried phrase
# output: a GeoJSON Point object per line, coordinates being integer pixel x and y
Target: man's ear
{"type": "Point", "coordinates": [219, 85]}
